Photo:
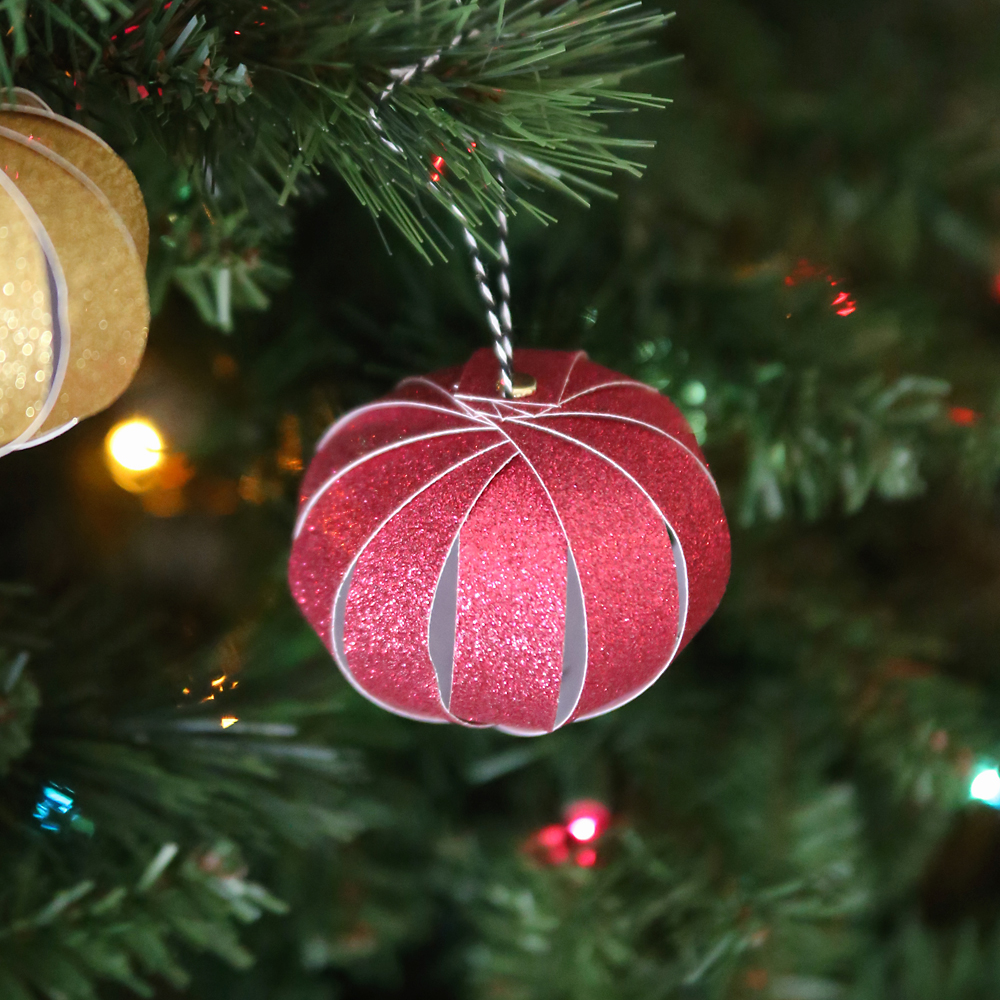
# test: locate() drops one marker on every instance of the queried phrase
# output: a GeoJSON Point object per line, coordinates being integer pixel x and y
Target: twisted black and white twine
{"type": "Point", "coordinates": [498, 317]}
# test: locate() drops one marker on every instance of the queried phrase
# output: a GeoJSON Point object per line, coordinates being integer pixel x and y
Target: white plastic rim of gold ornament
{"type": "Point", "coordinates": [26, 99]}
{"type": "Point", "coordinates": [104, 301]}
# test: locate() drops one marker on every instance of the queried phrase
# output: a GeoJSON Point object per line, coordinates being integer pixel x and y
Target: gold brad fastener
{"type": "Point", "coordinates": [523, 385]}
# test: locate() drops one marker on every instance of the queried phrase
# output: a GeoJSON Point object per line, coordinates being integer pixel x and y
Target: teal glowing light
{"type": "Point", "coordinates": [694, 393]}
{"type": "Point", "coordinates": [56, 801]}
{"type": "Point", "coordinates": [54, 811]}
{"type": "Point", "coordinates": [986, 786]}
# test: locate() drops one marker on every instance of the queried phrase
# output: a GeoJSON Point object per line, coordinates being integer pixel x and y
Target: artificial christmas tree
{"type": "Point", "coordinates": [194, 802]}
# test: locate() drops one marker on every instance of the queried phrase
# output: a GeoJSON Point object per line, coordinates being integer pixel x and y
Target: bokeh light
{"type": "Point", "coordinates": [986, 786]}
{"type": "Point", "coordinates": [586, 820]}
{"type": "Point", "coordinates": [583, 828]}
{"type": "Point", "coordinates": [135, 445]}
{"type": "Point", "coordinates": [135, 453]}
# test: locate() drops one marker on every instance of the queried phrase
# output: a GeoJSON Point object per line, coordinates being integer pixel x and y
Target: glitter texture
{"type": "Point", "coordinates": [677, 484]}
{"type": "Point", "coordinates": [94, 158]}
{"type": "Point", "coordinates": [26, 348]}
{"type": "Point", "coordinates": [511, 606]}
{"type": "Point", "coordinates": [624, 558]}
{"type": "Point", "coordinates": [592, 464]}
{"type": "Point", "coordinates": [393, 586]}
{"type": "Point", "coordinates": [105, 281]}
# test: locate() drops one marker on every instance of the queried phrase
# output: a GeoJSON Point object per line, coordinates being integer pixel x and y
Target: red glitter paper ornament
{"type": "Point", "coordinates": [514, 563]}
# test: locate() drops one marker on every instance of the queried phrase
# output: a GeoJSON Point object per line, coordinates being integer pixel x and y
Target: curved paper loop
{"type": "Point", "coordinates": [106, 299]}
{"type": "Point", "coordinates": [93, 157]}
{"type": "Point", "coordinates": [58, 312]}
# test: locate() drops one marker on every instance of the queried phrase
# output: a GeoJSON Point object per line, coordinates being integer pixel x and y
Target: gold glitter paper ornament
{"type": "Point", "coordinates": [76, 247]}
{"type": "Point", "coordinates": [93, 157]}
{"type": "Point", "coordinates": [26, 350]}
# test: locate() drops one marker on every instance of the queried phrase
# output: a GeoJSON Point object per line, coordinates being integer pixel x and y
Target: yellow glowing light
{"type": "Point", "coordinates": [219, 681]}
{"type": "Point", "coordinates": [228, 720]}
{"type": "Point", "coordinates": [135, 445]}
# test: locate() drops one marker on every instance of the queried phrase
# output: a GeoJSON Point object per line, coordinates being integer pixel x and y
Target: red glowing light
{"type": "Point", "coordinates": [548, 846]}
{"type": "Point", "coordinates": [131, 28]}
{"type": "Point", "coordinates": [804, 270]}
{"type": "Point", "coordinates": [846, 303]}
{"type": "Point", "coordinates": [438, 164]}
{"type": "Point", "coordinates": [583, 828]}
{"type": "Point", "coordinates": [962, 416]}
{"type": "Point", "coordinates": [551, 836]}
{"type": "Point", "coordinates": [142, 91]}
{"type": "Point", "coordinates": [586, 858]}
{"type": "Point", "coordinates": [586, 820]}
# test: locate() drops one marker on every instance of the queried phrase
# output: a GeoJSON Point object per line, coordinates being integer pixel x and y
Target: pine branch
{"type": "Point", "coordinates": [824, 420]}
{"type": "Point", "coordinates": [124, 834]}
{"type": "Point", "coordinates": [129, 932]}
{"type": "Point", "coordinates": [417, 108]}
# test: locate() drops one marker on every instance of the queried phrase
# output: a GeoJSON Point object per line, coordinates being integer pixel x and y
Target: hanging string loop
{"type": "Point", "coordinates": [498, 316]}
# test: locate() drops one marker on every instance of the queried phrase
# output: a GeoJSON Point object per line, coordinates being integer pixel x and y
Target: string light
{"type": "Point", "coordinates": [134, 452]}
{"type": "Point", "coordinates": [586, 820]}
{"type": "Point", "coordinates": [963, 416]}
{"type": "Point", "coordinates": [135, 445]}
{"type": "Point", "coordinates": [55, 801]}
{"type": "Point", "coordinates": [843, 303]}
{"type": "Point", "coordinates": [583, 828]}
{"type": "Point", "coordinates": [986, 786]}
{"type": "Point", "coordinates": [228, 720]}
{"type": "Point", "coordinates": [548, 846]}
{"type": "Point", "coordinates": [139, 461]}
{"type": "Point", "coordinates": [56, 811]}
